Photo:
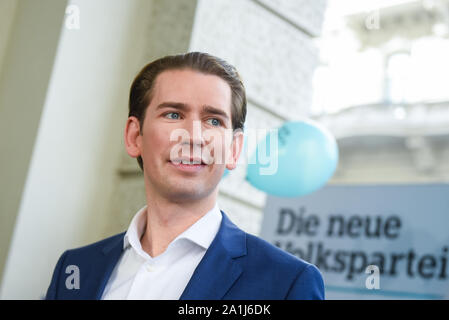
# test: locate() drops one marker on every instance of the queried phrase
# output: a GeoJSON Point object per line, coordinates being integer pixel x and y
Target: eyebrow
{"type": "Point", "coordinates": [185, 107]}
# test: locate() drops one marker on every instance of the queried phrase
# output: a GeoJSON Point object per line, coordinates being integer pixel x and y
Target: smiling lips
{"type": "Point", "coordinates": [188, 164]}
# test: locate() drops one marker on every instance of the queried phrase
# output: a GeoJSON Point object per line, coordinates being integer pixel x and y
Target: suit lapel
{"type": "Point", "coordinates": [218, 269]}
{"type": "Point", "coordinates": [109, 258]}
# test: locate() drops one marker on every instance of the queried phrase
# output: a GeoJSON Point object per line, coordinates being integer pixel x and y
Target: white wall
{"type": "Point", "coordinates": [77, 148]}
{"type": "Point", "coordinates": [270, 43]}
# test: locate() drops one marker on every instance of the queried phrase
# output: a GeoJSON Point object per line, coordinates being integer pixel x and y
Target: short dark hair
{"type": "Point", "coordinates": [142, 87]}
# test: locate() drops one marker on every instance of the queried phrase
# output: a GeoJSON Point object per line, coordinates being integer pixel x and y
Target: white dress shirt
{"type": "Point", "coordinates": [137, 275]}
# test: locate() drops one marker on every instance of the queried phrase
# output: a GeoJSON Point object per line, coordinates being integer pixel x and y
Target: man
{"type": "Point", "coordinates": [181, 245]}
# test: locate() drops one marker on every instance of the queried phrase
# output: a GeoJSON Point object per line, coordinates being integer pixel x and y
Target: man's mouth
{"type": "Point", "coordinates": [188, 165]}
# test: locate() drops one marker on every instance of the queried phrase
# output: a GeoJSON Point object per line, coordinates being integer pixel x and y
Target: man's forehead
{"type": "Point", "coordinates": [192, 88]}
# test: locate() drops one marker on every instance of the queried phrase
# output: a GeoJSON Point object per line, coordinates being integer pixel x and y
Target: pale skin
{"type": "Point", "coordinates": [177, 199]}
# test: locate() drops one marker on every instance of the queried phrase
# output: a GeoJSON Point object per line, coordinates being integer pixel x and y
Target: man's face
{"type": "Point", "coordinates": [174, 128]}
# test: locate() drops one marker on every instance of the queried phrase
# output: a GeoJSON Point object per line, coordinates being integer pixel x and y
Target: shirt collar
{"type": "Point", "coordinates": [202, 232]}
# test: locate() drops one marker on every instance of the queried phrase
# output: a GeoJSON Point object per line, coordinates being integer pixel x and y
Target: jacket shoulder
{"type": "Point", "coordinates": [302, 279]}
{"type": "Point", "coordinates": [87, 259]}
{"type": "Point", "coordinates": [265, 251]}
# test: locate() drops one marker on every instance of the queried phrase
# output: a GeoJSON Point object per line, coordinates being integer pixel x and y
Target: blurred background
{"type": "Point", "coordinates": [374, 72]}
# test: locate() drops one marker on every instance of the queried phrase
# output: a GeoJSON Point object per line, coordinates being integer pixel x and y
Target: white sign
{"type": "Point", "coordinates": [369, 242]}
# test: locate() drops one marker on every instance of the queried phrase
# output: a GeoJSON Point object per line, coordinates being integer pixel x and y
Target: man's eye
{"type": "Point", "coordinates": [175, 113]}
{"type": "Point", "coordinates": [215, 122]}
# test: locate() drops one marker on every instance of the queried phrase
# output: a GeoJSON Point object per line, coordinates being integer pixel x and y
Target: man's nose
{"type": "Point", "coordinates": [195, 136]}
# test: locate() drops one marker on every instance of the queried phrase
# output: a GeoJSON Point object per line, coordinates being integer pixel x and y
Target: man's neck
{"type": "Point", "coordinates": [166, 220]}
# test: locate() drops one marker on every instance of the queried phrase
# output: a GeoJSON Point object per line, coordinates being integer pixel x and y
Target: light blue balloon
{"type": "Point", "coordinates": [225, 173]}
{"type": "Point", "coordinates": [307, 157]}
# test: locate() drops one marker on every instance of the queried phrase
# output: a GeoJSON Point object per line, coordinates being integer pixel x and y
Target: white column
{"type": "Point", "coordinates": [72, 171]}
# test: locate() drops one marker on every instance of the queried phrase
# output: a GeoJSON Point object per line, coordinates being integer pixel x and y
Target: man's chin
{"type": "Point", "coordinates": [185, 195]}
{"type": "Point", "coordinates": [189, 190]}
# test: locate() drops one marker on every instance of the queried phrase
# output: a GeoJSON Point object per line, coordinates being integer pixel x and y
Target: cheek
{"type": "Point", "coordinates": [219, 150]}
{"type": "Point", "coordinates": [155, 142]}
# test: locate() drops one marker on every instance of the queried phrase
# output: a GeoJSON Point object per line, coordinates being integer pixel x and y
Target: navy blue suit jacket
{"type": "Point", "coordinates": [237, 265]}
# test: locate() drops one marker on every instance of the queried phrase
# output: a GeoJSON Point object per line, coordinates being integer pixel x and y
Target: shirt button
{"type": "Point", "coordinates": [151, 268]}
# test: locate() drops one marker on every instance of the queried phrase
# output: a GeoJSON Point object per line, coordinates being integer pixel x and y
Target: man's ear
{"type": "Point", "coordinates": [236, 149]}
{"type": "Point", "coordinates": [133, 139]}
